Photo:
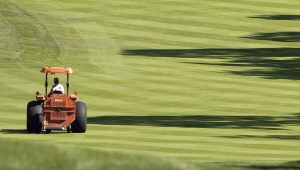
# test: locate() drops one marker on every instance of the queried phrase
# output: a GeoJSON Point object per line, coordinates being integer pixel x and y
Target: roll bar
{"type": "Point", "coordinates": [53, 70]}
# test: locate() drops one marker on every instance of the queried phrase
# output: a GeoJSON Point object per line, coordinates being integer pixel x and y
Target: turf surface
{"type": "Point", "coordinates": [206, 83]}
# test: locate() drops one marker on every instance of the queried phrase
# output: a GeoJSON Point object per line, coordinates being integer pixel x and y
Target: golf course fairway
{"type": "Point", "coordinates": [169, 84]}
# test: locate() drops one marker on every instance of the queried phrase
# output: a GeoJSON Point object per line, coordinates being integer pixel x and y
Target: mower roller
{"type": "Point", "coordinates": [56, 111]}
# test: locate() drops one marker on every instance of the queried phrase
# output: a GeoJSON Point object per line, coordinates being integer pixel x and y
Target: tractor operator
{"type": "Point", "coordinates": [57, 88]}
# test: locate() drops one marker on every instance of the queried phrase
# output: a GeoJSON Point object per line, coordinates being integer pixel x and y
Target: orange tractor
{"type": "Point", "coordinates": [56, 111]}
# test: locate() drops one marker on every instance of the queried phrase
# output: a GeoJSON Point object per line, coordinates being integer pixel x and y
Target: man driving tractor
{"type": "Point", "coordinates": [56, 88]}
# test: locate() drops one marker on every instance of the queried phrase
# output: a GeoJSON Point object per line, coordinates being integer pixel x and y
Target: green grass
{"type": "Point", "coordinates": [209, 84]}
{"type": "Point", "coordinates": [36, 156]}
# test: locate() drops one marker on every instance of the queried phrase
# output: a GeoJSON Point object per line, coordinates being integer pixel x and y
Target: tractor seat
{"type": "Point", "coordinates": [57, 92]}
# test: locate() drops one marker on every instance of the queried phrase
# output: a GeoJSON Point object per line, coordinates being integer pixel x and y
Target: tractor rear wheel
{"type": "Point", "coordinates": [34, 117]}
{"type": "Point", "coordinates": [79, 125]}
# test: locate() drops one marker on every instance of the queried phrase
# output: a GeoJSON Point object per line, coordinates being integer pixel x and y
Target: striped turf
{"type": "Point", "coordinates": [208, 82]}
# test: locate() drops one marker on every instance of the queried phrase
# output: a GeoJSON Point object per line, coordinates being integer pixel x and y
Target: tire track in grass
{"type": "Point", "coordinates": [29, 34]}
{"type": "Point", "coordinates": [104, 53]}
{"type": "Point", "coordinates": [10, 48]}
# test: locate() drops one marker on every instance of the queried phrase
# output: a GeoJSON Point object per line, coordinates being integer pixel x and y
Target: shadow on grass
{"type": "Point", "coordinates": [287, 165]}
{"type": "Point", "coordinates": [200, 121]}
{"type": "Point", "coordinates": [277, 17]}
{"type": "Point", "coordinates": [286, 137]}
{"type": "Point", "coordinates": [24, 131]}
{"type": "Point", "coordinates": [13, 131]}
{"type": "Point", "coordinates": [219, 53]}
{"type": "Point", "coordinates": [272, 63]}
{"type": "Point", "coordinates": [277, 36]}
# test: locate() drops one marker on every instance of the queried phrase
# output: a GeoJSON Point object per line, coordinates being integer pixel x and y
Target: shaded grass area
{"type": "Point", "coordinates": [278, 17]}
{"type": "Point", "coordinates": [24, 131]}
{"type": "Point", "coordinates": [32, 155]}
{"type": "Point", "coordinates": [284, 137]}
{"type": "Point", "coordinates": [201, 121]}
{"type": "Point", "coordinates": [284, 166]}
{"type": "Point", "coordinates": [273, 63]}
{"type": "Point", "coordinates": [214, 53]}
{"type": "Point", "coordinates": [277, 36]}
{"type": "Point", "coordinates": [28, 155]}
{"type": "Point", "coordinates": [13, 131]}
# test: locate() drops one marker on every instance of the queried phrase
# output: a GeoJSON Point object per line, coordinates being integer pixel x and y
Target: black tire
{"type": "Point", "coordinates": [34, 117]}
{"type": "Point", "coordinates": [79, 125]}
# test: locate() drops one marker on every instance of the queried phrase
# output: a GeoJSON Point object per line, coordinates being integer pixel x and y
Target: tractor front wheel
{"type": "Point", "coordinates": [79, 125]}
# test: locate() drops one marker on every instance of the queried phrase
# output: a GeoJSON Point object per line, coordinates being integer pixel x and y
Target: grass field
{"type": "Point", "coordinates": [169, 84]}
